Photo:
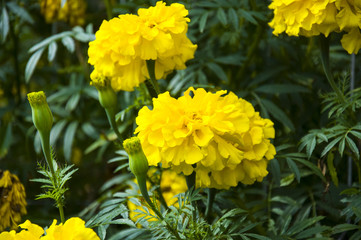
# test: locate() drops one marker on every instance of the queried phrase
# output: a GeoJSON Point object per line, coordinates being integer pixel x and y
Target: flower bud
{"type": "Point", "coordinates": [107, 96]}
{"type": "Point", "coordinates": [138, 162]}
{"type": "Point", "coordinates": [42, 116]}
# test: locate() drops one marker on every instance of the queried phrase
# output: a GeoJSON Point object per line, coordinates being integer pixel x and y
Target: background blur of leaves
{"type": "Point", "coordinates": [281, 76]}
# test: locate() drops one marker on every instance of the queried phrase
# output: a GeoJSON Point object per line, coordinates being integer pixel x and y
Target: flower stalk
{"type": "Point", "coordinates": [151, 83]}
{"type": "Point", "coordinates": [43, 121]}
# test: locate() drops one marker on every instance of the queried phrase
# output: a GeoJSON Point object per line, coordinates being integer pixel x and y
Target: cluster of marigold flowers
{"type": "Point", "coordinates": [12, 200]}
{"type": "Point", "coordinates": [72, 12]}
{"type": "Point", "coordinates": [73, 228]}
{"type": "Point", "coordinates": [314, 17]}
{"type": "Point", "coordinates": [124, 43]}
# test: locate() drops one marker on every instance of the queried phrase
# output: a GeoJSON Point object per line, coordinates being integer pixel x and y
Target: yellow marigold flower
{"type": "Point", "coordinates": [171, 184]}
{"type": "Point", "coordinates": [222, 138]}
{"type": "Point", "coordinates": [73, 11]}
{"type": "Point", "coordinates": [351, 41]}
{"type": "Point", "coordinates": [12, 200]}
{"type": "Point", "coordinates": [30, 232]}
{"type": "Point", "coordinates": [73, 229]}
{"type": "Point", "coordinates": [123, 44]}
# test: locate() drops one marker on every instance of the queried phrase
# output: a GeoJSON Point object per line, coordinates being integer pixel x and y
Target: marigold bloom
{"type": "Point", "coordinates": [12, 200]}
{"type": "Point", "coordinates": [313, 17]}
{"type": "Point", "coordinates": [222, 138]}
{"type": "Point", "coordinates": [123, 44]}
{"type": "Point", "coordinates": [73, 11]}
{"type": "Point", "coordinates": [73, 229]}
{"type": "Point", "coordinates": [171, 184]}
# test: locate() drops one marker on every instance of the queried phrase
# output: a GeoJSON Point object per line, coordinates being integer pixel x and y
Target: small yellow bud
{"type": "Point", "coordinates": [107, 96]}
{"type": "Point", "coordinates": [138, 162]}
{"type": "Point", "coordinates": [42, 116]}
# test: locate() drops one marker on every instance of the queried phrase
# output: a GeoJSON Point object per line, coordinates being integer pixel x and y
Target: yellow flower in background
{"type": "Point", "coordinates": [123, 44]}
{"type": "Point", "coordinates": [72, 12]}
{"type": "Point", "coordinates": [73, 229]}
{"type": "Point", "coordinates": [219, 136]}
{"type": "Point", "coordinates": [171, 184]}
{"type": "Point", "coordinates": [12, 200]}
{"type": "Point", "coordinates": [313, 17]}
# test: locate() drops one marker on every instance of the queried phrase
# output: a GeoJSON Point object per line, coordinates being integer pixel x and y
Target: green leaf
{"type": "Point", "coordinates": [330, 145]}
{"type": "Point", "coordinates": [311, 231]}
{"type": "Point", "coordinates": [248, 16]}
{"type": "Point", "coordinates": [68, 139]}
{"type": "Point", "coordinates": [281, 88]}
{"type": "Point", "coordinates": [278, 113]}
{"type": "Point", "coordinates": [344, 228]}
{"type": "Point", "coordinates": [292, 165]}
{"type": "Point", "coordinates": [312, 167]}
{"type": "Point", "coordinates": [203, 21]}
{"type": "Point", "coordinates": [56, 131]}
{"type": "Point", "coordinates": [52, 51]}
{"type": "Point", "coordinates": [332, 168]}
{"type": "Point", "coordinates": [233, 17]}
{"type": "Point", "coordinates": [353, 147]}
{"type": "Point", "coordinates": [68, 42]}
{"type": "Point", "coordinates": [341, 146]}
{"type": "Point", "coordinates": [287, 180]}
{"type": "Point", "coordinates": [310, 147]}
{"type": "Point", "coordinates": [20, 12]}
{"type": "Point", "coordinates": [221, 15]}
{"type": "Point", "coordinates": [72, 102]}
{"type": "Point", "coordinates": [30, 66]}
{"type": "Point", "coordinates": [4, 26]}
{"type": "Point", "coordinates": [299, 226]}
{"type": "Point", "coordinates": [218, 71]}
{"type": "Point", "coordinates": [276, 171]}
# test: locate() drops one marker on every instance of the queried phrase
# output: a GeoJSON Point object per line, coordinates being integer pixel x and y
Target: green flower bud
{"type": "Point", "coordinates": [107, 96]}
{"type": "Point", "coordinates": [42, 116]}
{"type": "Point", "coordinates": [138, 162]}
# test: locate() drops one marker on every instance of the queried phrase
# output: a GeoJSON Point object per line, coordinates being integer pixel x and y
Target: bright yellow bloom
{"type": "Point", "coordinates": [12, 200]}
{"type": "Point", "coordinates": [73, 229]}
{"type": "Point", "coordinates": [313, 17]}
{"type": "Point", "coordinates": [171, 184]}
{"type": "Point", "coordinates": [73, 11]}
{"type": "Point", "coordinates": [222, 138]}
{"type": "Point", "coordinates": [123, 44]}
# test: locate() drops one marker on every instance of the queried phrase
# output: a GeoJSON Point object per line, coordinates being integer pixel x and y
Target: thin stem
{"type": "Point", "coordinates": [160, 194]}
{"type": "Point", "coordinates": [45, 143]}
{"type": "Point", "coordinates": [325, 60]}
{"type": "Point", "coordinates": [108, 6]}
{"type": "Point", "coordinates": [143, 189]}
{"type": "Point", "coordinates": [191, 183]}
{"type": "Point", "coordinates": [352, 86]}
{"type": "Point", "coordinates": [153, 80]}
{"type": "Point", "coordinates": [210, 200]}
{"type": "Point", "coordinates": [111, 119]}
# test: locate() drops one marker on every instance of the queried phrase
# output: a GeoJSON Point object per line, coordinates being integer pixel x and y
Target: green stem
{"type": "Point", "coordinates": [108, 6]}
{"type": "Point", "coordinates": [325, 60]}
{"type": "Point", "coordinates": [142, 183]}
{"type": "Point", "coordinates": [45, 143]}
{"type": "Point", "coordinates": [210, 200]}
{"type": "Point", "coordinates": [113, 124]}
{"type": "Point", "coordinates": [152, 84]}
{"type": "Point", "coordinates": [191, 184]}
{"type": "Point", "coordinates": [160, 194]}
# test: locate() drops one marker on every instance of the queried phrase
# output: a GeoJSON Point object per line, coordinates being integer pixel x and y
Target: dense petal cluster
{"type": "Point", "coordinates": [313, 17]}
{"type": "Point", "coordinates": [222, 138]}
{"type": "Point", "coordinates": [123, 44]}
{"type": "Point", "coordinates": [171, 184]}
{"type": "Point", "coordinates": [12, 200]}
{"type": "Point", "coordinates": [73, 229]}
{"type": "Point", "coordinates": [72, 12]}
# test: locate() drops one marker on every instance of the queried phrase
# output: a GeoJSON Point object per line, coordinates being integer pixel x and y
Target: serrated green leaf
{"type": "Point", "coordinates": [30, 66]}
{"type": "Point", "coordinates": [292, 165]}
{"type": "Point", "coordinates": [330, 145]}
{"type": "Point", "coordinates": [20, 12]}
{"type": "Point", "coordinates": [312, 167]}
{"type": "Point", "coordinates": [276, 171]}
{"type": "Point", "coordinates": [203, 21]}
{"type": "Point", "coordinates": [52, 51]}
{"type": "Point", "coordinates": [287, 180]}
{"type": "Point", "coordinates": [299, 226]}
{"type": "Point", "coordinates": [215, 68]}
{"type": "Point", "coordinates": [344, 228]}
{"type": "Point", "coordinates": [281, 88]}
{"type": "Point", "coordinates": [69, 43]}
{"type": "Point", "coordinates": [221, 15]}
{"type": "Point", "coordinates": [310, 147]}
{"type": "Point", "coordinates": [353, 147]}
{"type": "Point", "coordinates": [68, 139]}
{"type": "Point", "coordinates": [248, 16]}
{"type": "Point", "coordinates": [233, 17]}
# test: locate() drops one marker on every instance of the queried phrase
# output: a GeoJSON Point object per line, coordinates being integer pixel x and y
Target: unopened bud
{"type": "Point", "coordinates": [42, 116]}
{"type": "Point", "coordinates": [138, 162]}
{"type": "Point", "coordinates": [107, 95]}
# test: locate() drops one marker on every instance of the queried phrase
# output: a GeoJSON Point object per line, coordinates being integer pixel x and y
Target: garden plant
{"type": "Point", "coordinates": [194, 119]}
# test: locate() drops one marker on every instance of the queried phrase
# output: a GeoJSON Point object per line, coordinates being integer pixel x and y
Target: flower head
{"type": "Point", "coordinates": [73, 11]}
{"type": "Point", "coordinates": [12, 200]}
{"type": "Point", "coordinates": [313, 17]}
{"type": "Point", "coordinates": [124, 43]}
{"type": "Point", "coordinates": [42, 116]}
{"type": "Point", "coordinates": [222, 138]}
